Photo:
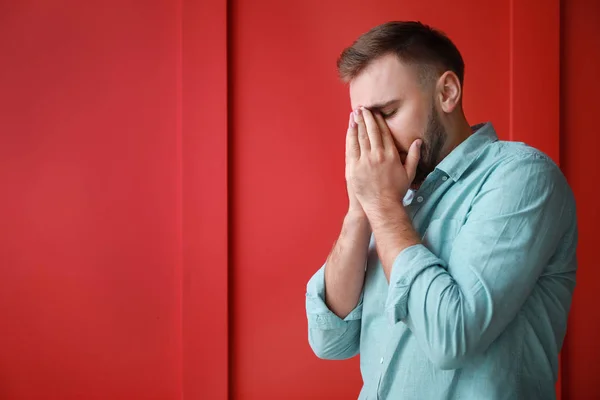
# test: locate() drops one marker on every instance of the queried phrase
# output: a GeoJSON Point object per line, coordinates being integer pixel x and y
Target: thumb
{"type": "Point", "coordinates": [412, 159]}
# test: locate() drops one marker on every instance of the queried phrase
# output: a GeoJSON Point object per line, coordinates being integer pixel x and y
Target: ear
{"type": "Point", "coordinates": [449, 91]}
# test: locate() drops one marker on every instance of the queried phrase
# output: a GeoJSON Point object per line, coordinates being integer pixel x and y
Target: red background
{"type": "Point", "coordinates": [172, 175]}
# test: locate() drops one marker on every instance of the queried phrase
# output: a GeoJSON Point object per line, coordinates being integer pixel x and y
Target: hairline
{"type": "Point", "coordinates": [427, 73]}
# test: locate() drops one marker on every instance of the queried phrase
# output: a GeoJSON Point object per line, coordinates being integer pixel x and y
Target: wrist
{"type": "Point", "coordinates": [356, 214]}
{"type": "Point", "coordinates": [357, 218]}
{"type": "Point", "coordinates": [392, 216]}
{"type": "Point", "coordinates": [383, 209]}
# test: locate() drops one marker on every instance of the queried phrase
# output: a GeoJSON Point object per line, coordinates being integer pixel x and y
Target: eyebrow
{"type": "Point", "coordinates": [379, 106]}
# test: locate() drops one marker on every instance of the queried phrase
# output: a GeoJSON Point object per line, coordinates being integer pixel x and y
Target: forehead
{"type": "Point", "coordinates": [384, 79]}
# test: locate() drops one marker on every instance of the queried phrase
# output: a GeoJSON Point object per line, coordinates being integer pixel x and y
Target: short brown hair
{"type": "Point", "coordinates": [413, 43]}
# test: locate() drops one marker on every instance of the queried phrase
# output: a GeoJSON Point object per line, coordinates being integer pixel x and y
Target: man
{"type": "Point", "coordinates": [455, 266]}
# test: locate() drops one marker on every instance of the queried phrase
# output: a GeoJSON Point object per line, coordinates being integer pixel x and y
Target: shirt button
{"type": "Point", "coordinates": [420, 199]}
{"type": "Point", "coordinates": [444, 178]}
{"type": "Point", "coordinates": [381, 361]}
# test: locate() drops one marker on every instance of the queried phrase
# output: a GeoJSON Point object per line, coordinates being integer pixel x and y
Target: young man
{"type": "Point", "coordinates": [455, 266]}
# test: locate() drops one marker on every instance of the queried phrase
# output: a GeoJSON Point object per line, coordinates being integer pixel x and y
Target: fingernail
{"type": "Point", "coordinates": [351, 122]}
{"type": "Point", "coordinates": [419, 143]}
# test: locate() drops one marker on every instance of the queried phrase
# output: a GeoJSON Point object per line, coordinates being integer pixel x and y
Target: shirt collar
{"type": "Point", "coordinates": [459, 159]}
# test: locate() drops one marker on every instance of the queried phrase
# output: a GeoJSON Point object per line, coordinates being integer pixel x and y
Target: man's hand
{"type": "Point", "coordinates": [376, 175]}
{"type": "Point", "coordinates": [374, 171]}
{"type": "Point", "coordinates": [354, 207]}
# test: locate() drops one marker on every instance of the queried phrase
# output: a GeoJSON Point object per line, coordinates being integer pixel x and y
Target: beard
{"type": "Point", "coordinates": [434, 140]}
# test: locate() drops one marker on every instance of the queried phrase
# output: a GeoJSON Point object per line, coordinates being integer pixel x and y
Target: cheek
{"type": "Point", "coordinates": [405, 128]}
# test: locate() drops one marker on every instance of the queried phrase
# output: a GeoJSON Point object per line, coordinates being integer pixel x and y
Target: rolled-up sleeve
{"type": "Point", "coordinates": [410, 263]}
{"type": "Point", "coordinates": [456, 309]}
{"type": "Point", "coordinates": [330, 336]}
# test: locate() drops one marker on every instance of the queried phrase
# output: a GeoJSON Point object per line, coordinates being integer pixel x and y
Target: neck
{"type": "Point", "coordinates": [458, 130]}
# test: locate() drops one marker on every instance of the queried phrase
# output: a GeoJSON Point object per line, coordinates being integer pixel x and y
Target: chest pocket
{"type": "Point", "coordinates": [440, 235]}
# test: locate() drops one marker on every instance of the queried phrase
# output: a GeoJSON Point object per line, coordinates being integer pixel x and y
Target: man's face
{"type": "Point", "coordinates": [394, 89]}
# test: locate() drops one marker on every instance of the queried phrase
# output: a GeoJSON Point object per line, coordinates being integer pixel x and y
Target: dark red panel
{"type": "Point", "coordinates": [580, 63]}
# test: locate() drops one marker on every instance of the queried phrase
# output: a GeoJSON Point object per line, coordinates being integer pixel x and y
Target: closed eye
{"type": "Point", "coordinates": [388, 114]}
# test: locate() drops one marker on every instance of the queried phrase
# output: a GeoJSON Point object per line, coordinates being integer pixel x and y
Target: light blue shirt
{"type": "Point", "coordinates": [478, 311]}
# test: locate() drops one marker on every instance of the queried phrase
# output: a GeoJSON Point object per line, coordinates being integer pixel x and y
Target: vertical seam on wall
{"type": "Point", "coordinates": [560, 89]}
{"type": "Point", "coordinates": [557, 139]}
{"type": "Point", "coordinates": [562, 366]}
{"type": "Point", "coordinates": [179, 217]}
{"type": "Point", "coordinates": [229, 188]}
{"type": "Point", "coordinates": [511, 60]}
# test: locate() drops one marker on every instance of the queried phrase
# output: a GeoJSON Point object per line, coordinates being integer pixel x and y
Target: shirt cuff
{"type": "Point", "coordinates": [319, 315]}
{"type": "Point", "coordinates": [407, 266]}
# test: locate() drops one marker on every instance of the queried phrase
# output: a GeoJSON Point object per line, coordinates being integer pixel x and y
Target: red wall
{"type": "Point", "coordinates": [172, 177]}
{"type": "Point", "coordinates": [89, 243]}
{"type": "Point", "coordinates": [113, 246]}
{"type": "Point", "coordinates": [204, 199]}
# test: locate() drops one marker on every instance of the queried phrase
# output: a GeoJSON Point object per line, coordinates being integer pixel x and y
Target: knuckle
{"type": "Point", "coordinates": [378, 155]}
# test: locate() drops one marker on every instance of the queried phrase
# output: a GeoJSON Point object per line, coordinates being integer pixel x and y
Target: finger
{"type": "Point", "coordinates": [363, 138]}
{"type": "Point", "coordinates": [412, 159]}
{"type": "Point", "coordinates": [372, 129]}
{"type": "Point", "coordinates": [352, 146]}
{"type": "Point", "coordinates": [386, 136]}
